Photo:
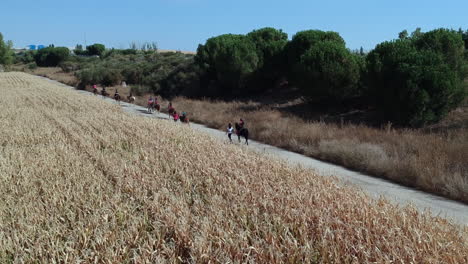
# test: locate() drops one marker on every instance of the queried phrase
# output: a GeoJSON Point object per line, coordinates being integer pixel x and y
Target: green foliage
{"type": "Point", "coordinates": [95, 49]}
{"type": "Point", "coordinates": [304, 40]}
{"type": "Point", "coordinates": [321, 65]}
{"type": "Point", "coordinates": [6, 52]}
{"type": "Point", "coordinates": [269, 43]}
{"type": "Point", "coordinates": [32, 66]}
{"type": "Point", "coordinates": [418, 80]}
{"type": "Point", "coordinates": [25, 57]}
{"type": "Point", "coordinates": [229, 60]}
{"type": "Point", "coordinates": [51, 57]}
{"type": "Point", "coordinates": [69, 66]}
{"type": "Point", "coordinates": [329, 69]}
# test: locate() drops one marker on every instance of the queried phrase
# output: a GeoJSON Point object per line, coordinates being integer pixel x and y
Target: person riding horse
{"type": "Point", "coordinates": [242, 131]}
{"type": "Point", "coordinates": [183, 118]}
{"type": "Point", "coordinates": [131, 98]}
{"type": "Point", "coordinates": [150, 104]}
{"type": "Point", "coordinates": [95, 91]}
{"type": "Point", "coordinates": [117, 96]}
{"type": "Point", "coordinates": [156, 104]}
{"type": "Point", "coordinates": [104, 92]}
{"type": "Point", "coordinates": [170, 109]}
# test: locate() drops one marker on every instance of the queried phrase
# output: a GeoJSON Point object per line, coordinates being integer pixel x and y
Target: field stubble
{"type": "Point", "coordinates": [432, 162]}
{"type": "Point", "coordinates": [82, 181]}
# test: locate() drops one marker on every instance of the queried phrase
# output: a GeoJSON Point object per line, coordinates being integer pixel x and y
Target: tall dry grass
{"type": "Point", "coordinates": [81, 181]}
{"type": "Point", "coordinates": [431, 162]}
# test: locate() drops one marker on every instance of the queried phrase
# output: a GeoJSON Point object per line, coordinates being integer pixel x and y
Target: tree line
{"type": "Point", "coordinates": [413, 80]}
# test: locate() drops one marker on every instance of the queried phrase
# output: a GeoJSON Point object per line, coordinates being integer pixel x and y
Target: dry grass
{"type": "Point", "coordinates": [81, 181]}
{"type": "Point", "coordinates": [430, 162]}
{"type": "Point", "coordinates": [54, 73]}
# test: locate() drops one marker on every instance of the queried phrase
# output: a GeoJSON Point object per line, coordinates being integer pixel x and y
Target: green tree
{"type": "Point", "coordinates": [417, 80]}
{"type": "Point", "coordinates": [304, 40]}
{"type": "Point", "coordinates": [403, 34]}
{"type": "Point", "coordinates": [270, 44]}
{"type": "Point", "coordinates": [328, 69]}
{"type": "Point", "coordinates": [51, 57]}
{"type": "Point", "coordinates": [229, 60]}
{"type": "Point", "coordinates": [6, 52]}
{"type": "Point", "coordinates": [95, 49]}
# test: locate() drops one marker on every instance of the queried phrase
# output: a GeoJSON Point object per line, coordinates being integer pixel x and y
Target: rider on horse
{"type": "Point", "coordinates": [95, 91]}
{"type": "Point", "coordinates": [184, 118]}
{"type": "Point", "coordinates": [117, 95]}
{"type": "Point", "coordinates": [175, 116]}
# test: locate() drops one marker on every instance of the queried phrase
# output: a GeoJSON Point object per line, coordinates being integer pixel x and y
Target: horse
{"type": "Point", "coordinates": [150, 107]}
{"type": "Point", "coordinates": [170, 111]}
{"type": "Point", "coordinates": [117, 97]}
{"type": "Point", "coordinates": [131, 99]}
{"type": "Point", "coordinates": [242, 131]}
{"type": "Point", "coordinates": [95, 91]}
{"type": "Point", "coordinates": [184, 119]}
{"type": "Point", "coordinates": [104, 93]}
{"type": "Point", "coordinates": [157, 106]}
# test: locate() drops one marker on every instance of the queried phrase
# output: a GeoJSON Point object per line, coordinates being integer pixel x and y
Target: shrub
{"type": "Point", "coordinates": [418, 80]}
{"type": "Point", "coordinates": [139, 90]}
{"type": "Point", "coordinates": [111, 77]}
{"type": "Point", "coordinates": [68, 66]}
{"type": "Point", "coordinates": [32, 66]}
{"type": "Point", "coordinates": [89, 76]}
{"type": "Point", "coordinates": [51, 56]}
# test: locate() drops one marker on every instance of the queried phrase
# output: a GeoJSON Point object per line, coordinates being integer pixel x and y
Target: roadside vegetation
{"type": "Point", "coordinates": [90, 183]}
{"type": "Point", "coordinates": [383, 112]}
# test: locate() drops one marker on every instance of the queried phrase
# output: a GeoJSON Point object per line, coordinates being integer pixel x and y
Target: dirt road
{"type": "Point", "coordinates": [376, 187]}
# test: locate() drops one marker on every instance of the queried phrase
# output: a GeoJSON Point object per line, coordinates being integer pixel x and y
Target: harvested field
{"type": "Point", "coordinates": [81, 181]}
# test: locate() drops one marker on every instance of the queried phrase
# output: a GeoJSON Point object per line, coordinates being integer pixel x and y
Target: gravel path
{"type": "Point", "coordinates": [376, 187]}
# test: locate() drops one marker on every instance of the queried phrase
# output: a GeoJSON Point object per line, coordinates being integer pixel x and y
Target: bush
{"type": "Point", "coordinates": [68, 66]}
{"type": "Point", "coordinates": [51, 57]}
{"type": "Point", "coordinates": [89, 76]}
{"type": "Point", "coordinates": [418, 80]}
{"type": "Point", "coordinates": [139, 90]}
{"type": "Point", "coordinates": [32, 66]}
{"type": "Point", "coordinates": [25, 57]}
{"type": "Point", "coordinates": [111, 77]}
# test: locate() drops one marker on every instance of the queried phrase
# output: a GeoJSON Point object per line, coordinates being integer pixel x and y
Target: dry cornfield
{"type": "Point", "coordinates": [82, 181]}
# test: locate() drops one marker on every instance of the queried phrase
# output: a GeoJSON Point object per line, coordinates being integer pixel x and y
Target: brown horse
{"type": "Point", "coordinates": [242, 131]}
{"type": "Point", "coordinates": [184, 119]}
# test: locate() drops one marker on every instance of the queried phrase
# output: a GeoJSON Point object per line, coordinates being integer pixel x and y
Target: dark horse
{"type": "Point", "coordinates": [242, 131]}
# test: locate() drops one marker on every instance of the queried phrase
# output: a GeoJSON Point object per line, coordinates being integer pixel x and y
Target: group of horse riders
{"type": "Point", "coordinates": [154, 104]}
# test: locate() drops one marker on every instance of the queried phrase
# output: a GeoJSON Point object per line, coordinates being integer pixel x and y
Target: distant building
{"type": "Point", "coordinates": [35, 47]}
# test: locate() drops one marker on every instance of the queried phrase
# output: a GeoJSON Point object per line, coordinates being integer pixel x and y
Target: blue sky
{"type": "Point", "coordinates": [183, 24]}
